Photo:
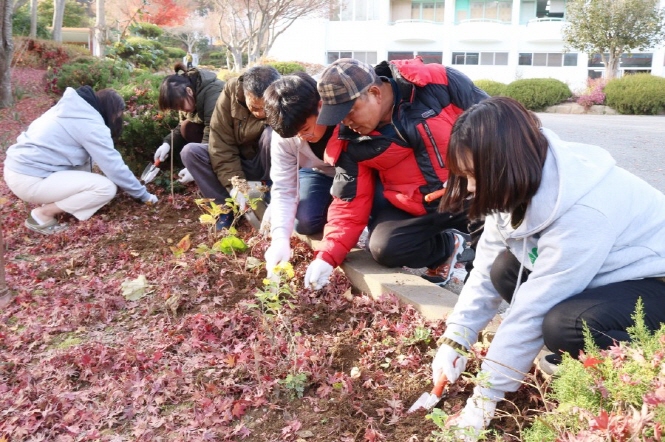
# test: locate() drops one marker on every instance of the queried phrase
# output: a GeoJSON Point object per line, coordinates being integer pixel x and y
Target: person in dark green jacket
{"type": "Point", "coordinates": [192, 92]}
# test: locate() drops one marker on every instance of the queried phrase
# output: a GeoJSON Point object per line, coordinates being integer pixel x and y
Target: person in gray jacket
{"type": "Point", "coordinates": [301, 179]}
{"type": "Point", "coordinates": [569, 239]}
{"type": "Point", "coordinates": [51, 162]}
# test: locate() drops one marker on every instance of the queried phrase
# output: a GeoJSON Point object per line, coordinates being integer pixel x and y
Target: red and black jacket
{"type": "Point", "coordinates": [408, 156]}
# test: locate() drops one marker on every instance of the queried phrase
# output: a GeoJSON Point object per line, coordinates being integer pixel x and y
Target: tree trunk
{"type": "Point", "coordinates": [99, 40]}
{"type": "Point", "coordinates": [611, 66]}
{"type": "Point", "coordinates": [237, 59]}
{"type": "Point", "coordinates": [58, 15]}
{"type": "Point", "coordinates": [33, 18]}
{"type": "Point", "coordinates": [6, 52]}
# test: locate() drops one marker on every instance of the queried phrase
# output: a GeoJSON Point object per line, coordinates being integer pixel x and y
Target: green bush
{"type": "Point", "coordinates": [175, 52]}
{"type": "Point", "coordinates": [141, 52]}
{"type": "Point", "coordinates": [538, 93]}
{"type": "Point", "coordinates": [21, 24]}
{"type": "Point", "coordinates": [96, 73]}
{"type": "Point", "coordinates": [145, 126]}
{"type": "Point", "coordinates": [147, 30]}
{"type": "Point", "coordinates": [287, 67]}
{"type": "Point", "coordinates": [493, 88]}
{"type": "Point", "coordinates": [638, 94]}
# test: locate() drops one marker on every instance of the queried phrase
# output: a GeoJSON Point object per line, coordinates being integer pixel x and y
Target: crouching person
{"type": "Point", "coordinates": [51, 162]}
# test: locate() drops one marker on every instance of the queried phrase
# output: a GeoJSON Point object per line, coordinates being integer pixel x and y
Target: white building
{"type": "Point", "coordinates": [501, 40]}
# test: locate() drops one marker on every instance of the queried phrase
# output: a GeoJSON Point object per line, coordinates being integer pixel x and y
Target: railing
{"type": "Point", "coordinates": [415, 20]}
{"type": "Point", "coordinates": [482, 20]}
{"type": "Point", "coordinates": [544, 19]}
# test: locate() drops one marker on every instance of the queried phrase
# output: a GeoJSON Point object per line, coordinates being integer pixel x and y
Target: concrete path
{"type": "Point", "coordinates": [637, 143]}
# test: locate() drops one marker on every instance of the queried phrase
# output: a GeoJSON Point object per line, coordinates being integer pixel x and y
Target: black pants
{"type": "Point", "coordinates": [606, 310]}
{"type": "Point", "coordinates": [398, 238]}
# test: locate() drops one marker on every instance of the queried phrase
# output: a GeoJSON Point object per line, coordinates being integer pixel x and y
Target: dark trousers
{"type": "Point", "coordinates": [606, 310]}
{"type": "Point", "coordinates": [397, 238]}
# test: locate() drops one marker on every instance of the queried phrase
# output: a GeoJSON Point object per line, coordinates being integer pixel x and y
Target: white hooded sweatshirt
{"type": "Point", "coordinates": [590, 224]}
{"type": "Point", "coordinates": [67, 137]}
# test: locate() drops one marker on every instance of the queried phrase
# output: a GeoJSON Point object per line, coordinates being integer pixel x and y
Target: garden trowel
{"type": "Point", "coordinates": [150, 172]}
{"type": "Point", "coordinates": [428, 400]}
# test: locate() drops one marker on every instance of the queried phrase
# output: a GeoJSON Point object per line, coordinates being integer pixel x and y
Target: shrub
{"type": "Point", "coordinates": [147, 30]}
{"type": "Point", "coordinates": [175, 53]}
{"type": "Point", "coordinates": [538, 93]}
{"type": "Point", "coordinates": [287, 67]}
{"type": "Point", "coordinates": [21, 24]}
{"type": "Point", "coordinates": [224, 74]}
{"type": "Point", "coordinates": [44, 53]}
{"type": "Point", "coordinates": [593, 94]}
{"type": "Point", "coordinates": [145, 126]}
{"type": "Point", "coordinates": [639, 94]}
{"type": "Point", "coordinates": [96, 73]}
{"type": "Point", "coordinates": [141, 52]}
{"type": "Point", "coordinates": [493, 88]}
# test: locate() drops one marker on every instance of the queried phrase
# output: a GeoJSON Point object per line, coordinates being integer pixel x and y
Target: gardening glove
{"type": "Point", "coordinates": [317, 274]}
{"type": "Point", "coordinates": [279, 251]}
{"type": "Point", "coordinates": [265, 222]}
{"type": "Point", "coordinates": [449, 361]}
{"type": "Point", "coordinates": [476, 415]}
{"type": "Point", "coordinates": [239, 198]}
{"type": "Point", "coordinates": [162, 152]}
{"type": "Point", "coordinates": [152, 199]}
{"type": "Point", "coordinates": [185, 176]}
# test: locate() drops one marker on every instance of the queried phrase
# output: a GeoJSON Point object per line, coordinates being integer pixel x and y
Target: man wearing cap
{"type": "Point", "coordinates": [389, 158]}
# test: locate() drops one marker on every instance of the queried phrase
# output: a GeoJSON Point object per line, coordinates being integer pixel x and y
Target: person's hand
{"type": "Point", "coordinates": [448, 361]}
{"type": "Point", "coordinates": [317, 274]}
{"type": "Point", "coordinates": [476, 415]}
{"type": "Point", "coordinates": [279, 251]}
{"type": "Point", "coordinates": [239, 198]}
{"type": "Point", "coordinates": [162, 152]}
{"type": "Point", "coordinates": [152, 199]}
{"type": "Point", "coordinates": [185, 176]}
{"type": "Point", "coordinates": [265, 222]}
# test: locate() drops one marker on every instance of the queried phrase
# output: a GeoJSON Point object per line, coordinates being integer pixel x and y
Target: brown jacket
{"type": "Point", "coordinates": [234, 133]}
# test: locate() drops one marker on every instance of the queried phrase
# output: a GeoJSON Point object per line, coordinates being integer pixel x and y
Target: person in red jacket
{"type": "Point", "coordinates": [389, 156]}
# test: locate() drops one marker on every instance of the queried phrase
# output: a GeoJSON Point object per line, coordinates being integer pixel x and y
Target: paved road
{"type": "Point", "coordinates": [637, 142]}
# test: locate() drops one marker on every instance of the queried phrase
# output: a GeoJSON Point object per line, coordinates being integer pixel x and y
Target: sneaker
{"type": "Point", "coordinates": [549, 364]}
{"type": "Point", "coordinates": [463, 253]}
{"type": "Point", "coordinates": [49, 228]}
{"type": "Point", "coordinates": [224, 221]}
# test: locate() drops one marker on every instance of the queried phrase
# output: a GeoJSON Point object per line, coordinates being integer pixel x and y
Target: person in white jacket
{"type": "Point", "coordinates": [51, 162]}
{"type": "Point", "coordinates": [300, 193]}
{"type": "Point", "coordinates": [570, 238]}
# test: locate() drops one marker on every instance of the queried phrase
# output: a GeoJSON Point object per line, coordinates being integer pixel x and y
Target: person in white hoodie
{"type": "Point", "coordinates": [51, 162]}
{"type": "Point", "coordinates": [300, 193]}
{"type": "Point", "coordinates": [569, 239]}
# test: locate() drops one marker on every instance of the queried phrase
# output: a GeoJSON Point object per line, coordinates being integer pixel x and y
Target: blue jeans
{"type": "Point", "coordinates": [315, 198]}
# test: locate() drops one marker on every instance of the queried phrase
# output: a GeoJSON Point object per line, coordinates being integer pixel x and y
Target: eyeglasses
{"type": "Point", "coordinates": [305, 136]}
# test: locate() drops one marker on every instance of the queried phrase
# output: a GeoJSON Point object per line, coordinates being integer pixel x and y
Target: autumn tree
{"type": "Point", "coordinates": [252, 26]}
{"type": "Point", "coordinates": [612, 27]}
{"type": "Point", "coordinates": [189, 32]}
{"type": "Point", "coordinates": [6, 52]}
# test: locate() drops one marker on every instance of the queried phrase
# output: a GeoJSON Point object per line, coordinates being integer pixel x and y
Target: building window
{"type": "Point", "coordinates": [550, 59]}
{"type": "Point", "coordinates": [354, 10]}
{"type": "Point", "coordinates": [428, 57]}
{"type": "Point", "coordinates": [367, 57]}
{"type": "Point", "coordinates": [500, 10]}
{"type": "Point", "coordinates": [431, 10]}
{"type": "Point", "coordinates": [483, 58]}
{"type": "Point", "coordinates": [627, 61]}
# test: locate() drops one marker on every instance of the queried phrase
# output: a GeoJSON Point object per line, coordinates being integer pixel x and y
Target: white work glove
{"type": "Point", "coordinates": [476, 415]}
{"type": "Point", "coordinates": [317, 274]}
{"type": "Point", "coordinates": [152, 199]}
{"type": "Point", "coordinates": [162, 152]}
{"type": "Point", "coordinates": [448, 361]}
{"type": "Point", "coordinates": [185, 176]}
{"type": "Point", "coordinates": [265, 222]}
{"type": "Point", "coordinates": [279, 251]}
{"type": "Point", "coordinates": [239, 198]}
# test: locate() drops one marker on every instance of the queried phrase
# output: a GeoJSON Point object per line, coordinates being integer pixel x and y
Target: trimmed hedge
{"type": "Point", "coordinates": [175, 52]}
{"type": "Point", "coordinates": [638, 94]}
{"type": "Point", "coordinates": [98, 74]}
{"type": "Point", "coordinates": [141, 52]}
{"type": "Point", "coordinates": [287, 67]}
{"type": "Point", "coordinates": [493, 88]}
{"type": "Point", "coordinates": [538, 93]}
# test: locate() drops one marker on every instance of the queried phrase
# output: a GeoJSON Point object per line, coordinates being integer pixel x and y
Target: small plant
{"type": "Point", "coordinates": [420, 334]}
{"type": "Point", "coordinates": [296, 383]}
{"type": "Point", "coordinates": [230, 242]}
{"type": "Point", "coordinates": [453, 433]}
{"type": "Point", "coordinates": [593, 95]}
{"type": "Point", "coordinates": [277, 291]}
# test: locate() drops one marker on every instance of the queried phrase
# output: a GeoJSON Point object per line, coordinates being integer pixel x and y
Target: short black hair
{"type": "Point", "coordinates": [289, 101]}
{"type": "Point", "coordinates": [257, 79]}
{"type": "Point", "coordinates": [173, 90]}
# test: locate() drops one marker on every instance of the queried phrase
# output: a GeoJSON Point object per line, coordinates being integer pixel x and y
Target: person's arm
{"type": "Point", "coordinates": [463, 93]}
{"type": "Point", "coordinates": [96, 140]}
{"type": "Point", "coordinates": [223, 146]}
{"type": "Point", "coordinates": [347, 217]}
{"type": "Point", "coordinates": [284, 190]}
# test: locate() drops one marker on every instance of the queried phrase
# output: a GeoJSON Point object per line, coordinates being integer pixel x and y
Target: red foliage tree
{"type": "Point", "coordinates": [164, 13]}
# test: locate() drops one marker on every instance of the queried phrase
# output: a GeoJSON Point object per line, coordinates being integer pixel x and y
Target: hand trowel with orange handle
{"type": "Point", "coordinates": [427, 401]}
